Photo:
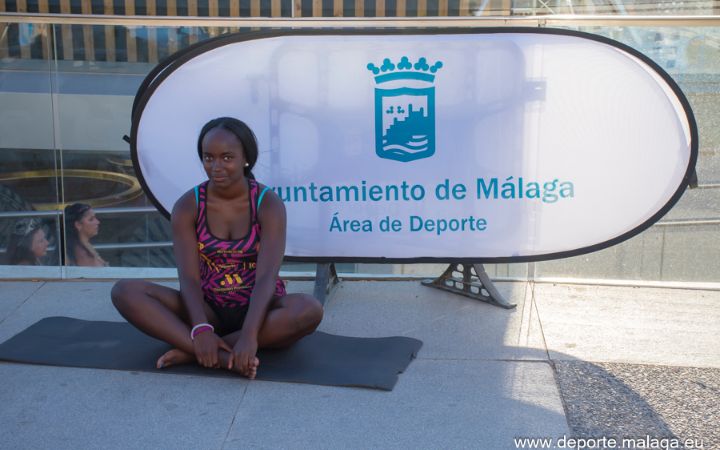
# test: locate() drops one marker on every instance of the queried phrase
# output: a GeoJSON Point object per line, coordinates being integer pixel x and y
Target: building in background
{"type": "Point", "coordinates": [67, 90]}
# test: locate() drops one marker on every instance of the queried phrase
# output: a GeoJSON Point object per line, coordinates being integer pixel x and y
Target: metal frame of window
{"type": "Point", "coordinates": [366, 22]}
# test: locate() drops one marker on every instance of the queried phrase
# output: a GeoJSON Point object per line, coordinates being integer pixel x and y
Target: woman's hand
{"type": "Point", "coordinates": [206, 346]}
{"type": "Point", "coordinates": [244, 356]}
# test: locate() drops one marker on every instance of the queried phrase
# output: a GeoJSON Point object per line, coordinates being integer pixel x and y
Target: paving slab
{"type": "Point", "coordinates": [88, 300]}
{"type": "Point", "coordinates": [451, 326]}
{"type": "Point", "coordinates": [15, 294]}
{"type": "Point", "coordinates": [63, 408]}
{"type": "Point", "coordinates": [302, 287]}
{"type": "Point", "coordinates": [436, 404]}
{"type": "Point", "coordinates": [673, 327]}
{"type": "Point", "coordinates": [475, 384]}
{"type": "Point", "coordinates": [457, 395]}
{"type": "Point", "coordinates": [82, 300]}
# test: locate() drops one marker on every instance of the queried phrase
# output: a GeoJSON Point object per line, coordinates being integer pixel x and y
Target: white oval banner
{"type": "Point", "coordinates": [495, 145]}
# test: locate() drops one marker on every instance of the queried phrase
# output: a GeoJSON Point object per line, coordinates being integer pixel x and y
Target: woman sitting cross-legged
{"type": "Point", "coordinates": [231, 301]}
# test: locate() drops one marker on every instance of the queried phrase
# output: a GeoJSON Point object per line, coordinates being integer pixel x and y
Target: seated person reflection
{"type": "Point", "coordinates": [28, 243]}
{"type": "Point", "coordinates": [81, 225]}
{"type": "Point", "coordinates": [229, 242]}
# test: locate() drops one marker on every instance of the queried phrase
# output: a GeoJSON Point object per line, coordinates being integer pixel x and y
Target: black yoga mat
{"type": "Point", "coordinates": [319, 358]}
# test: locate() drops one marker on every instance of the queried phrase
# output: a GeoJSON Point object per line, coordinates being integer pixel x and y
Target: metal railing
{"type": "Point", "coordinates": [364, 22]}
{"type": "Point", "coordinates": [140, 41]}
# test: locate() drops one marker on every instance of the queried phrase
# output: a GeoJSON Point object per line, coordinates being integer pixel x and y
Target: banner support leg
{"type": "Point", "coordinates": [326, 279]}
{"type": "Point", "coordinates": [475, 285]}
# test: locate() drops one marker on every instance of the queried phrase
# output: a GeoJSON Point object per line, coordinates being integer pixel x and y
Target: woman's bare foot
{"type": "Point", "coordinates": [174, 357]}
{"type": "Point", "coordinates": [225, 362]}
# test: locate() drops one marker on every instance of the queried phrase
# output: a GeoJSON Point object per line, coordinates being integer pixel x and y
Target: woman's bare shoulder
{"type": "Point", "coordinates": [269, 199]}
{"type": "Point", "coordinates": [185, 205]}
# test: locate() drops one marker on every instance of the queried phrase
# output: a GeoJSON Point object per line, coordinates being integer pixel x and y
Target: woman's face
{"type": "Point", "coordinates": [88, 225]}
{"type": "Point", "coordinates": [223, 157]}
{"type": "Point", "coordinates": [39, 244]}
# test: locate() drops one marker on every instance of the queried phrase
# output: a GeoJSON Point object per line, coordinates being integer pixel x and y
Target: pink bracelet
{"type": "Point", "coordinates": [199, 328]}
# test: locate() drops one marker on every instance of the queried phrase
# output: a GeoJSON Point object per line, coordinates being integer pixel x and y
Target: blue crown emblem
{"type": "Point", "coordinates": [404, 70]}
{"type": "Point", "coordinates": [405, 115]}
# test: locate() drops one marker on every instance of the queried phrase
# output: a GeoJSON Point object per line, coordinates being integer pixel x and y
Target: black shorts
{"type": "Point", "coordinates": [231, 317]}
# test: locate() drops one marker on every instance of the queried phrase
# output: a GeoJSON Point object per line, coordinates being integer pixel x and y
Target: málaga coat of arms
{"type": "Point", "coordinates": [405, 109]}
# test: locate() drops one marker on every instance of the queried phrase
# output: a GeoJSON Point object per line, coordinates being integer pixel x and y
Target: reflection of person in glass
{"type": "Point", "coordinates": [231, 301]}
{"type": "Point", "coordinates": [28, 243]}
{"type": "Point", "coordinates": [81, 225]}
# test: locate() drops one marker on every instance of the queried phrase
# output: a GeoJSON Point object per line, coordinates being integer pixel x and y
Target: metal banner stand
{"type": "Point", "coordinates": [460, 279]}
{"type": "Point", "coordinates": [326, 279]}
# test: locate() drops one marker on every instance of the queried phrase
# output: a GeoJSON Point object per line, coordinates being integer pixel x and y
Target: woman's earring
{"type": "Point", "coordinates": [247, 164]}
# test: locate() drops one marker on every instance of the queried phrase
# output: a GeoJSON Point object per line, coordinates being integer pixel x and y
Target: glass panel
{"type": "Point", "coordinates": [683, 247]}
{"type": "Point", "coordinates": [96, 82]}
{"type": "Point", "coordinates": [135, 240]}
{"type": "Point", "coordinates": [28, 160]}
{"type": "Point", "coordinates": [662, 253]}
{"type": "Point", "coordinates": [425, 270]}
{"type": "Point", "coordinates": [99, 70]}
{"type": "Point", "coordinates": [395, 8]}
{"type": "Point", "coordinates": [433, 270]}
{"type": "Point", "coordinates": [30, 242]}
{"type": "Point", "coordinates": [450, 8]}
{"type": "Point", "coordinates": [625, 7]}
{"type": "Point", "coordinates": [201, 8]}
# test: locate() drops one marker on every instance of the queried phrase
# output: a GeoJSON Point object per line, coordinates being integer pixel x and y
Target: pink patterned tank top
{"type": "Point", "coordinates": [228, 267]}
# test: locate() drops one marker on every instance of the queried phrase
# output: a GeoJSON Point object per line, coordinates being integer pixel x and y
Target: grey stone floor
{"type": "Point", "coordinates": [569, 361]}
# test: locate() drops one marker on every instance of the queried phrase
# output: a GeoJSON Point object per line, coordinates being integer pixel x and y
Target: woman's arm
{"type": "Point", "coordinates": [187, 260]}
{"type": "Point", "coordinates": [186, 256]}
{"type": "Point", "coordinates": [272, 219]}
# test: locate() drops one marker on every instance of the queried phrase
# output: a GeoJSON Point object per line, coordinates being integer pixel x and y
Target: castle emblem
{"type": "Point", "coordinates": [405, 109]}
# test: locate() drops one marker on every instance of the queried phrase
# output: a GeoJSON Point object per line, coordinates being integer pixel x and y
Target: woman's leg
{"type": "Point", "coordinates": [157, 311]}
{"type": "Point", "coordinates": [288, 319]}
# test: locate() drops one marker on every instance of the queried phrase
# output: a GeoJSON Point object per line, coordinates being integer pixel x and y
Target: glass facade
{"type": "Point", "coordinates": [67, 89]}
{"type": "Point", "coordinates": [685, 244]}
